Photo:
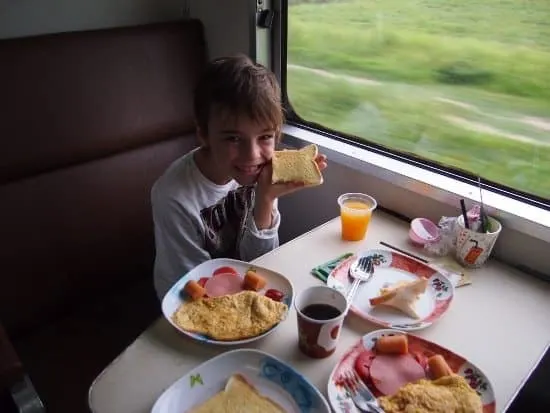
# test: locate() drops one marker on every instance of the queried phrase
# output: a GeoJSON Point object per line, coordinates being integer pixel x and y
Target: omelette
{"type": "Point", "coordinates": [230, 317]}
{"type": "Point", "coordinates": [448, 394]}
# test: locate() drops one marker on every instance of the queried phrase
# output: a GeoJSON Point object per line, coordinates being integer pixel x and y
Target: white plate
{"type": "Point", "coordinates": [389, 268]}
{"type": "Point", "coordinates": [342, 403]}
{"type": "Point", "coordinates": [173, 298]}
{"type": "Point", "coordinates": [270, 376]}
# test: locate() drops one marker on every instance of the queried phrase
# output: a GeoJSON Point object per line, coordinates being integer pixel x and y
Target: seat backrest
{"type": "Point", "coordinates": [89, 120]}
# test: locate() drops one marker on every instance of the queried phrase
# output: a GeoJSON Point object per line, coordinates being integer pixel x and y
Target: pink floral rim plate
{"type": "Point", "coordinates": [421, 349]}
{"type": "Point", "coordinates": [389, 268]}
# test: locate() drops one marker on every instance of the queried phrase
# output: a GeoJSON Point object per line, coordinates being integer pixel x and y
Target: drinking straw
{"type": "Point", "coordinates": [463, 207]}
{"type": "Point", "coordinates": [482, 215]}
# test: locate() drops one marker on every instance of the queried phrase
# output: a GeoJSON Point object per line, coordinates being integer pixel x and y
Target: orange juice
{"type": "Point", "coordinates": [355, 216]}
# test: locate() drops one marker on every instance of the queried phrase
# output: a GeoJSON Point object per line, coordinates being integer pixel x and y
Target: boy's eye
{"type": "Point", "coordinates": [232, 138]}
{"type": "Point", "coordinates": [266, 137]}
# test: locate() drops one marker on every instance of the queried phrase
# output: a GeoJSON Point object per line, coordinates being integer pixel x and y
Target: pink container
{"type": "Point", "coordinates": [423, 231]}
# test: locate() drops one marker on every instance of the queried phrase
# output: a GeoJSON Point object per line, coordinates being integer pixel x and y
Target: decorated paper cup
{"type": "Point", "coordinates": [320, 311]}
{"type": "Point", "coordinates": [473, 248]}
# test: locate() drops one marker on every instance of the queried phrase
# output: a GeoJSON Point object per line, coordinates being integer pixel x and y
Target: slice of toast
{"type": "Point", "coordinates": [296, 165]}
{"type": "Point", "coordinates": [238, 393]}
{"type": "Point", "coordinates": [402, 296]}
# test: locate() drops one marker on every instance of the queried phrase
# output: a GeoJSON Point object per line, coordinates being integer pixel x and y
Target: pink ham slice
{"type": "Point", "coordinates": [223, 284]}
{"type": "Point", "coordinates": [389, 372]}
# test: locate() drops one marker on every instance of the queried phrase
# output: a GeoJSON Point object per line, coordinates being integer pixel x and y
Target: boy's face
{"type": "Point", "coordinates": [239, 147]}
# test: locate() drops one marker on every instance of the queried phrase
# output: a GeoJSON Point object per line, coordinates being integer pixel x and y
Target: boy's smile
{"type": "Point", "coordinates": [235, 148]}
{"type": "Point", "coordinates": [249, 170]}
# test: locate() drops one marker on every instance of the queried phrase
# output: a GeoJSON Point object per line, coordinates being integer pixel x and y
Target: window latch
{"type": "Point", "coordinates": [265, 18]}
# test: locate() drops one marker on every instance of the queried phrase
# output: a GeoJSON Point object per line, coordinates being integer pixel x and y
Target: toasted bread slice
{"type": "Point", "coordinates": [291, 165]}
{"type": "Point", "coordinates": [237, 394]}
{"type": "Point", "coordinates": [402, 296]}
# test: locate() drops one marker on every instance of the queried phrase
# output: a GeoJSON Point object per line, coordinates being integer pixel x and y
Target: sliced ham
{"type": "Point", "coordinates": [389, 372]}
{"type": "Point", "coordinates": [223, 284]}
{"type": "Point", "coordinates": [363, 363]}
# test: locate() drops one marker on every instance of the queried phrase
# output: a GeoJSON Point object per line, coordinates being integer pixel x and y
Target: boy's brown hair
{"type": "Point", "coordinates": [236, 86]}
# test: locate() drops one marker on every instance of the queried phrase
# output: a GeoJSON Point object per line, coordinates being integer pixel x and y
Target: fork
{"type": "Point", "coordinates": [361, 270]}
{"type": "Point", "coordinates": [362, 397]}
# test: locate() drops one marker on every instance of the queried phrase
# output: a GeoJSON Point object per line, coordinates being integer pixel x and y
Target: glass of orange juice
{"type": "Point", "coordinates": [355, 214]}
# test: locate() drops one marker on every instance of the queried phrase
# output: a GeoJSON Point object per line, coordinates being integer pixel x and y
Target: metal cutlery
{"type": "Point", "coordinates": [362, 397]}
{"type": "Point", "coordinates": [360, 270]}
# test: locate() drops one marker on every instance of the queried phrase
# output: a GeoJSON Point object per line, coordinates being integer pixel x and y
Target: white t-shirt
{"type": "Point", "coordinates": [196, 220]}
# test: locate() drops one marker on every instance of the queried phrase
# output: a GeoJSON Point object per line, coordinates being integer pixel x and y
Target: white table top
{"type": "Point", "coordinates": [500, 323]}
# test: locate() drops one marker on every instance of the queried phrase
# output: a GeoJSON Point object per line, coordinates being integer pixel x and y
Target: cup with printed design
{"type": "Point", "coordinates": [320, 311]}
{"type": "Point", "coordinates": [473, 247]}
{"type": "Point", "coordinates": [355, 214]}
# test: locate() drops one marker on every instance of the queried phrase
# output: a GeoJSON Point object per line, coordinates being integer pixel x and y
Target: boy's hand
{"type": "Point", "coordinates": [266, 191]}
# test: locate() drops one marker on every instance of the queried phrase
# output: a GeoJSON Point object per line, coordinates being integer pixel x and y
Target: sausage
{"type": "Point", "coordinates": [389, 373]}
{"type": "Point", "coordinates": [223, 284]}
{"type": "Point", "coordinates": [392, 345]}
{"type": "Point", "coordinates": [194, 290]}
{"type": "Point", "coordinates": [254, 281]}
{"type": "Point", "coordinates": [382, 298]}
{"type": "Point", "coordinates": [438, 367]}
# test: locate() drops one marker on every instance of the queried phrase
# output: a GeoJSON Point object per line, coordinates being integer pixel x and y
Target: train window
{"type": "Point", "coordinates": [460, 84]}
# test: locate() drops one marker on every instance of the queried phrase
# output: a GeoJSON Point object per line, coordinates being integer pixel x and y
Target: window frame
{"type": "Point", "coordinates": [520, 213]}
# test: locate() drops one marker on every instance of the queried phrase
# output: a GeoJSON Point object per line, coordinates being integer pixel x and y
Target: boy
{"type": "Point", "coordinates": [218, 200]}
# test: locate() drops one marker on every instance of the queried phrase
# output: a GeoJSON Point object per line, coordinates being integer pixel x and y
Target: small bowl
{"type": "Point", "coordinates": [423, 231]}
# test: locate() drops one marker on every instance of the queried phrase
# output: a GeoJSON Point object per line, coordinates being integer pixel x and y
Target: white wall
{"type": "Point", "coordinates": [30, 17]}
{"type": "Point", "coordinates": [227, 22]}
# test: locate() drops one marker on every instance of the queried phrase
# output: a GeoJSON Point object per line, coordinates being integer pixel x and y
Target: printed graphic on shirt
{"type": "Point", "coordinates": [225, 221]}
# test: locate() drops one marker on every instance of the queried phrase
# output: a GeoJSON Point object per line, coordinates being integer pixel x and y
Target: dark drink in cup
{"type": "Point", "coordinates": [320, 312]}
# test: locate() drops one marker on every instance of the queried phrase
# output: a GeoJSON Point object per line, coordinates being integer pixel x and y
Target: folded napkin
{"type": "Point", "coordinates": [323, 271]}
{"type": "Point", "coordinates": [453, 272]}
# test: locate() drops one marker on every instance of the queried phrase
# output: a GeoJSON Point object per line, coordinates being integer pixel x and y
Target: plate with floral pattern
{"type": "Point", "coordinates": [270, 377]}
{"type": "Point", "coordinates": [421, 350]}
{"type": "Point", "coordinates": [390, 268]}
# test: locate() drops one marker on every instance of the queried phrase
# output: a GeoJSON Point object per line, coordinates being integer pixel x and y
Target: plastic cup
{"type": "Point", "coordinates": [320, 312]}
{"type": "Point", "coordinates": [355, 214]}
{"type": "Point", "coordinates": [423, 231]}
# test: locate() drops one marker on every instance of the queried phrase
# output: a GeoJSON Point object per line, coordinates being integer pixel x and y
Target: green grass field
{"type": "Point", "coordinates": [461, 82]}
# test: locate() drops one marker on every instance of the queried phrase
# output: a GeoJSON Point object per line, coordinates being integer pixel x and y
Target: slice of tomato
{"type": "Point", "coordinates": [274, 294]}
{"type": "Point", "coordinates": [202, 281]}
{"type": "Point", "coordinates": [225, 270]}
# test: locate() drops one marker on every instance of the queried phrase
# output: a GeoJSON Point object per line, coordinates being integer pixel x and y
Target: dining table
{"type": "Point", "coordinates": [499, 323]}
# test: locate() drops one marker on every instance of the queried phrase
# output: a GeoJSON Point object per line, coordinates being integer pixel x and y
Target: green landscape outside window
{"type": "Point", "coordinates": [464, 83]}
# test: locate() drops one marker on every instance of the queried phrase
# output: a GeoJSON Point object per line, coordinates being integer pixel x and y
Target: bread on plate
{"type": "Point", "coordinates": [402, 296]}
{"type": "Point", "coordinates": [237, 394]}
